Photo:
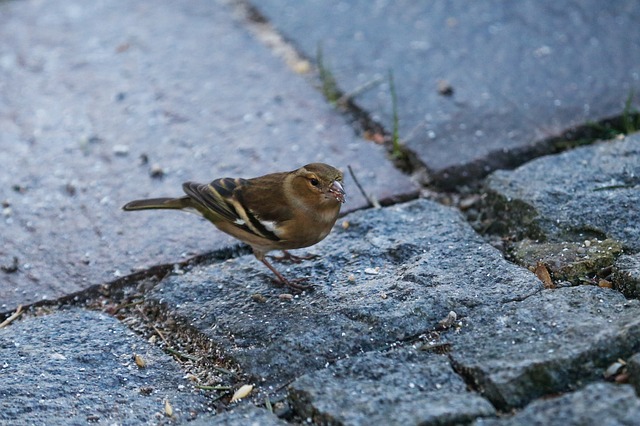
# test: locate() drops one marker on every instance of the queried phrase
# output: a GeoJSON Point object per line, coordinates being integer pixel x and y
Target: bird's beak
{"type": "Point", "coordinates": [337, 190]}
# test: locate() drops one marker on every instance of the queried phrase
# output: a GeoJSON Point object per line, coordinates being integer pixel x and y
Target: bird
{"type": "Point", "coordinates": [277, 211]}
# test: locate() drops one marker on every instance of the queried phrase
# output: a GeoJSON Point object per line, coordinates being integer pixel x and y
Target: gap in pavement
{"type": "Point", "coordinates": [469, 197]}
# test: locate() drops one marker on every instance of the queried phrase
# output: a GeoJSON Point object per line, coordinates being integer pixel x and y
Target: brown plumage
{"type": "Point", "coordinates": [278, 211]}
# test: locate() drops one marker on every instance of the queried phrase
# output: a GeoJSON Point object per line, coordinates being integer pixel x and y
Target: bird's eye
{"type": "Point", "coordinates": [314, 181]}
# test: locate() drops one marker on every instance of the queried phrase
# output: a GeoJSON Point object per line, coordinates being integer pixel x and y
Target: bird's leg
{"type": "Point", "coordinates": [282, 280]}
{"type": "Point", "coordinates": [292, 257]}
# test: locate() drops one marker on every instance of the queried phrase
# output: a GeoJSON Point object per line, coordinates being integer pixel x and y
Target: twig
{"type": "Point", "coordinates": [139, 309]}
{"type": "Point", "coordinates": [372, 200]}
{"type": "Point", "coordinates": [214, 388]}
{"type": "Point", "coordinates": [358, 90]}
{"type": "Point", "coordinates": [13, 317]}
{"type": "Point", "coordinates": [223, 370]}
{"type": "Point", "coordinates": [181, 355]}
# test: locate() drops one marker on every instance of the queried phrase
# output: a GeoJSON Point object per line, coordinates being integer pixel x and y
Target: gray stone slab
{"type": "Point", "coordinates": [603, 404]}
{"type": "Point", "coordinates": [77, 367]}
{"type": "Point", "coordinates": [626, 272]}
{"type": "Point", "coordinates": [383, 275]}
{"type": "Point", "coordinates": [521, 72]}
{"type": "Point", "coordinates": [94, 95]}
{"type": "Point", "coordinates": [577, 195]}
{"type": "Point", "coordinates": [404, 387]}
{"type": "Point", "coordinates": [550, 342]}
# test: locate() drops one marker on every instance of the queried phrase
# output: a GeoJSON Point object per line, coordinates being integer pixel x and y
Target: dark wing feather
{"type": "Point", "coordinates": [211, 200]}
{"type": "Point", "coordinates": [224, 197]}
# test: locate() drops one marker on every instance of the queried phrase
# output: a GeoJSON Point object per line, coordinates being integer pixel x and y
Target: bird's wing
{"type": "Point", "coordinates": [224, 198]}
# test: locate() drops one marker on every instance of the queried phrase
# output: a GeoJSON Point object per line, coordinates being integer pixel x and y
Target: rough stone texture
{"type": "Point", "coordinates": [521, 72]}
{"type": "Point", "coordinates": [404, 387]}
{"type": "Point", "coordinates": [94, 94]}
{"type": "Point", "coordinates": [391, 274]}
{"type": "Point", "coordinates": [77, 367]}
{"type": "Point", "coordinates": [573, 262]}
{"type": "Point", "coordinates": [633, 369]}
{"type": "Point", "coordinates": [626, 272]}
{"type": "Point", "coordinates": [245, 415]}
{"type": "Point", "coordinates": [548, 343]}
{"type": "Point", "coordinates": [596, 404]}
{"type": "Point", "coordinates": [580, 194]}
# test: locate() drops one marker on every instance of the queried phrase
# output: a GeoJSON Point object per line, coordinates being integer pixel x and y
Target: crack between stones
{"type": "Point", "coordinates": [455, 182]}
{"type": "Point", "coordinates": [157, 273]}
{"type": "Point", "coordinates": [406, 160]}
{"type": "Point", "coordinates": [360, 120]}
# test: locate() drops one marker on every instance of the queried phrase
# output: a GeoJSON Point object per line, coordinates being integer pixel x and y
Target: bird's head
{"type": "Point", "coordinates": [320, 181]}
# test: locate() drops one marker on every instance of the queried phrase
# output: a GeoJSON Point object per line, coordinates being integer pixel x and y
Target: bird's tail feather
{"type": "Point", "coordinates": [158, 203]}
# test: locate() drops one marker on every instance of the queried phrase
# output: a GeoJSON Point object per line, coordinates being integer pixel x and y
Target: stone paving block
{"type": "Point", "coordinates": [626, 273]}
{"type": "Point", "coordinates": [393, 273]}
{"type": "Point", "coordinates": [480, 86]}
{"type": "Point", "coordinates": [77, 367]}
{"type": "Point", "coordinates": [574, 196]}
{"type": "Point", "coordinates": [404, 387]}
{"type": "Point", "coordinates": [550, 342]}
{"type": "Point", "coordinates": [596, 404]}
{"type": "Point", "coordinates": [103, 102]}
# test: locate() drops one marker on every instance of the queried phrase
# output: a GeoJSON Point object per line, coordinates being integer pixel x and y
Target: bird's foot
{"type": "Point", "coordinates": [294, 285]}
{"type": "Point", "coordinates": [286, 256]}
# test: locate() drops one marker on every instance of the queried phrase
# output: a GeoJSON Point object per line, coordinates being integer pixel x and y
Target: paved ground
{"type": "Point", "coordinates": [505, 300]}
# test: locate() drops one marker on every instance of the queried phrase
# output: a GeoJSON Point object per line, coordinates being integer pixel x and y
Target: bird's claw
{"type": "Point", "coordinates": [294, 284]}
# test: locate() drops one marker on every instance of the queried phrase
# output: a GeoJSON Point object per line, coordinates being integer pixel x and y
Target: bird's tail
{"type": "Point", "coordinates": [159, 203]}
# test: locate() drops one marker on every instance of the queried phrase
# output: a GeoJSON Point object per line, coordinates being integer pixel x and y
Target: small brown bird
{"type": "Point", "coordinates": [278, 211]}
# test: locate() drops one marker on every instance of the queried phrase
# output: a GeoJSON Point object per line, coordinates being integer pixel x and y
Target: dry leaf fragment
{"type": "Point", "coordinates": [615, 369]}
{"type": "Point", "coordinates": [543, 275]}
{"type": "Point", "coordinates": [244, 391]}
{"type": "Point", "coordinates": [448, 321]}
{"type": "Point", "coordinates": [376, 137]}
{"type": "Point", "coordinates": [605, 283]}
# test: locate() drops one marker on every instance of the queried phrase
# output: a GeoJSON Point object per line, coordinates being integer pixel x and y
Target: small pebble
{"type": "Point", "coordinates": [286, 296]}
{"type": "Point", "coordinates": [156, 171]}
{"type": "Point", "coordinates": [372, 271]}
{"type": "Point", "coordinates": [445, 88]}
{"type": "Point", "coordinates": [257, 297]}
{"type": "Point", "coordinates": [121, 150]}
